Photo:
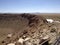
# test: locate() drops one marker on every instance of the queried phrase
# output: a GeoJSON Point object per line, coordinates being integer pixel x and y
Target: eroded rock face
{"type": "Point", "coordinates": [34, 20]}
{"type": "Point", "coordinates": [36, 32]}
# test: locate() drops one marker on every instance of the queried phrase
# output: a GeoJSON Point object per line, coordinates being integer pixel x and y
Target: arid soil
{"type": "Point", "coordinates": [28, 29]}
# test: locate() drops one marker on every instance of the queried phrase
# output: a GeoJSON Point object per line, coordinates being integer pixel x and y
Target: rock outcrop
{"type": "Point", "coordinates": [35, 32]}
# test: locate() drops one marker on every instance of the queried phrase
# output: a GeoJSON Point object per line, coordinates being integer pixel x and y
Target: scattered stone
{"type": "Point", "coordinates": [9, 35]}
{"type": "Point", "coordinates": [21, 40]}
{"type": "Point", "coordinates": [11, 44]}
{"type": "Point", "coordinates": [46, 37]}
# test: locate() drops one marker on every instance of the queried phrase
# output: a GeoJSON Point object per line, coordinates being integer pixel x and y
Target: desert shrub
{"type": "Point", "coordinates": [53, 30]}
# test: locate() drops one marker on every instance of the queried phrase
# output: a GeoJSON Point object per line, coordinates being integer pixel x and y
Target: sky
{"type": "Point", "coordinates": [29, 6]}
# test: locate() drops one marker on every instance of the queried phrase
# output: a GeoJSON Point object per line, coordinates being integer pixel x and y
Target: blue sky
{"type": "Point", "coordinates": [29, 6]}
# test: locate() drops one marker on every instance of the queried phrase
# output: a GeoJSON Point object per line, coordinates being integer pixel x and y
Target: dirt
{"type": "Point", "coordinates": [25, 26]}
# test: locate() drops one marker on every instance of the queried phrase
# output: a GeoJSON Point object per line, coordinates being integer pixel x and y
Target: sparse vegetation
{"type": "Point", "coordinates": [53, 30]}
{"type": "Point", "coordinates": [28, 25]}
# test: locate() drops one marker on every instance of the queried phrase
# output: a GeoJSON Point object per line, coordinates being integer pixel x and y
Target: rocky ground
{"type": "Point", "coordinates": [27, 29]}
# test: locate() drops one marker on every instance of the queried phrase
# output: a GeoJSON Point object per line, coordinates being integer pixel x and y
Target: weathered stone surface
{"type": "Point", "coordinates": [30, 29]}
